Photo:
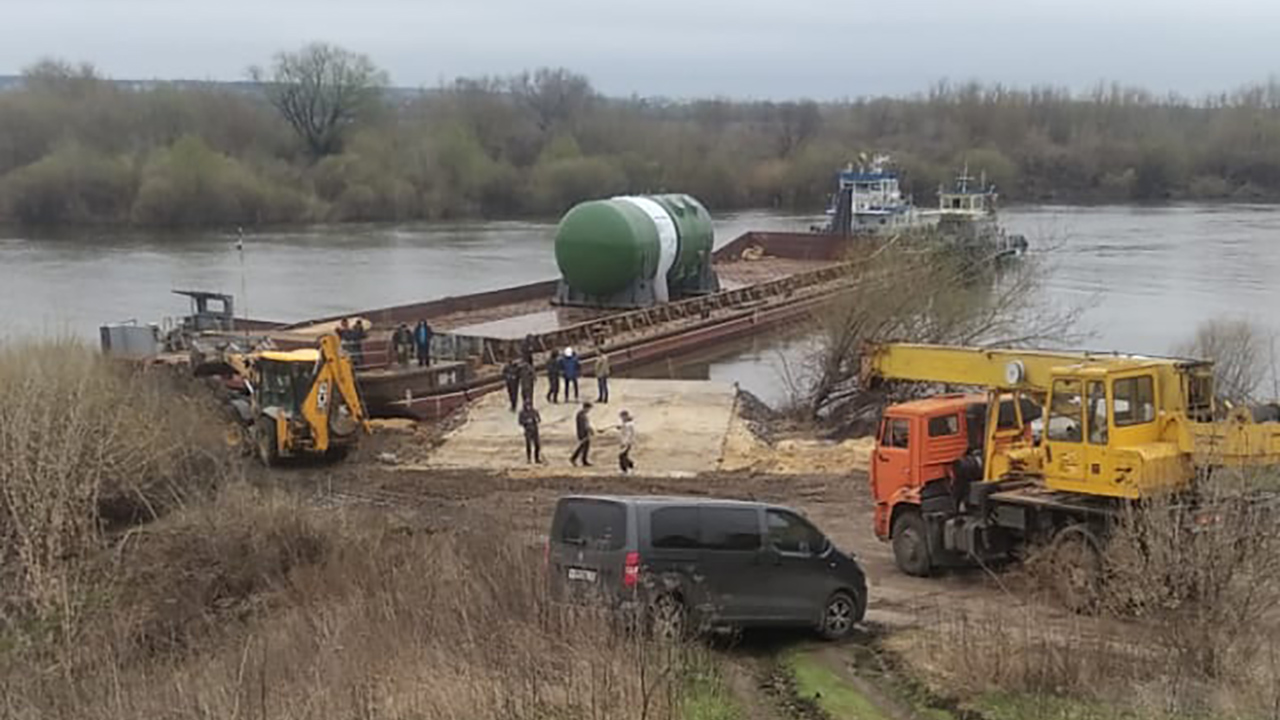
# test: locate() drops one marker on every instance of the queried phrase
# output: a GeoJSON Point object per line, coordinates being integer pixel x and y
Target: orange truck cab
{"type": "Point", "coordinates": [927, 452]}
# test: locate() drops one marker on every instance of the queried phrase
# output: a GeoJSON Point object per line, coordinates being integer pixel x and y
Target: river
{"type": "Point", "coordinates": [1148, 275]}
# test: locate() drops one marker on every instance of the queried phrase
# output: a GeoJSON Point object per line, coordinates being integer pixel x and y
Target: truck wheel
{"type": "Point", "coordinates": [264, 432]}
{"type": "Point", "coordinates": [911, 544]}
{"type": "Point", "coordinates": [1075, 568]}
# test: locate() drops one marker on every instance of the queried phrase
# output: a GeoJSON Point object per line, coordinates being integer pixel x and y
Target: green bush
{"type": "Point", "coordinates": [190, 184]}
{"type": "Point", "coordinates": [72, 184]}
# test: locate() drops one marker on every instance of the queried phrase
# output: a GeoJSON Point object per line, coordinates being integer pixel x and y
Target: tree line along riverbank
{"type": "Point", "coordinates": [77, 148]}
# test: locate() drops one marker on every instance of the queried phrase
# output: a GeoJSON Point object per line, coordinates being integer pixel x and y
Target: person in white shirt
{"type": "Point", "coordinates": [627, 440]}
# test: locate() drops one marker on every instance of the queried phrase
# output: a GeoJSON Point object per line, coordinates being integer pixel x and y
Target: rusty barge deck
{"type": "Point", "coordinates": [766, 279]}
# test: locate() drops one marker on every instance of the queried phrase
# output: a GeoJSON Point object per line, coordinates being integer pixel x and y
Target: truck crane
{"type": "Point", "coordinates": [1049, 447]}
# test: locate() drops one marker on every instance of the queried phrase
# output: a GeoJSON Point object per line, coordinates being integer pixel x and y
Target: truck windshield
{"type": "Point", "coordinates": [1066, 419]}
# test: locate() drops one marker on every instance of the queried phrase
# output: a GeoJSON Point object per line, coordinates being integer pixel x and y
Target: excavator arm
{"type": "Point", "coordinates": [333, 405]}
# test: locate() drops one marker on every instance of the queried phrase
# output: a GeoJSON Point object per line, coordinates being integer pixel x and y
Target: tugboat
{"type": "Point", "coordinates": [869, 201]}
{"type": "Point", "coordinates": [967, 216]}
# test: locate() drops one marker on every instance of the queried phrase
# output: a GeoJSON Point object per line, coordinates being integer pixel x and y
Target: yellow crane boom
{"type": "Point", "coordinates": [1114, 425]}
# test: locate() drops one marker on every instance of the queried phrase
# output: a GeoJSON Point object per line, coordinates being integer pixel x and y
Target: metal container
{"type": "Point", "coordinates": [638, 246]}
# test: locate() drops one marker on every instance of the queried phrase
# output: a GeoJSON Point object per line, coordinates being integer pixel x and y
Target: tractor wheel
{"type": "Point", "coordinates": [264, 433]}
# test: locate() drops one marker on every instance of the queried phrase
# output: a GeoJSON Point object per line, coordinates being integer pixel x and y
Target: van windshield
{"type": "Point", "coordinates": [600, 524]}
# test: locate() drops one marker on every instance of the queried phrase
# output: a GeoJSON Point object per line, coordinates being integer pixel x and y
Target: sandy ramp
{"type": "Point", "coordinates": [681, 427]}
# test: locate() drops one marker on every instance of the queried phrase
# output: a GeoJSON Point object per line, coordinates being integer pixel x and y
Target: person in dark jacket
{"type": "Point", "coordinates": [402, 344]}
{"type": "Point", "coordinates": [345, 337]}
{"type": "Point", "coordinates": [572, 371]}
{"type": "Point", "coordinates": [526, 349]}
{"type": "Point", "coordinates": [358, 335]}
{"type": "Point", "coordinates": [511, 377]}
{"type": "Point", "coordinates": [553, 378]}
{"type": "Point", "coordinates": [422, 341]}
{"type": "Point", "coordinates": [527, 376]}
{"type": "Point", "coordinates": [530, 420]}
{"type": "Point", "coordinates": [585, 431]}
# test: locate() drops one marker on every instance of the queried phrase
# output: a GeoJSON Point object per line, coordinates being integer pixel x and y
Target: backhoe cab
{"type": "Point", "coordinates": [303, 403]}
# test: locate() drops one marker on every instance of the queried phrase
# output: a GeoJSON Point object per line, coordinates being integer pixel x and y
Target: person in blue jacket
{"type": "Point", "coordinates": [572, 368]}
{"type": "Point", "coordinates": [422, 339]}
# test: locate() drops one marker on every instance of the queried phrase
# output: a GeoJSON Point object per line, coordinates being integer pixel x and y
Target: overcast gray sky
{"type": "Point", "coordinates": [679, 48]}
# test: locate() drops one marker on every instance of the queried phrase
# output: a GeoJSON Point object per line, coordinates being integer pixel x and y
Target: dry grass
{"type": "Point", "coordinates": [256, 606]}
{"type": "Point", "coordinates": [87, 448]}
{"type": "Point", "coordinates": [1188, 619]}
{"type": "Point", "coordinates": [214, 599]}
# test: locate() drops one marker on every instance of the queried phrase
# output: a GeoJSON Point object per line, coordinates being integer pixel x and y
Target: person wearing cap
{"type": "Point", "coordinates": [626, 441]}
{"type": "Point", "coordinates": [572, 370]}
{"type": "Point", "coordinates": [585, 431]}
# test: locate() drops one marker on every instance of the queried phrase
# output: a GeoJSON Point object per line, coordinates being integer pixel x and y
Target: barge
{"type": "Point", "coordinates": [640, 281]}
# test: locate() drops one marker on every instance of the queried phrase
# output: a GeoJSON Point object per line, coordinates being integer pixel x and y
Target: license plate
{"type": "Point", "coordinates": [582, 575]}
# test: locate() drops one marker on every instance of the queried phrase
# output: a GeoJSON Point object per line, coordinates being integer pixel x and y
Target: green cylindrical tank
{"type": "Point", "coordinates": [603, 246]}
{"type": "Point", "coordinates": [697, 236]}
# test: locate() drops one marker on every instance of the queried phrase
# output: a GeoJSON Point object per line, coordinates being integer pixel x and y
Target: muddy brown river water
{"type": "Point", "coordinates": [1149, 275]}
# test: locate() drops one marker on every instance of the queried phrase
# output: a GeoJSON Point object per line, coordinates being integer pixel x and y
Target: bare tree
{"type": "Point", "coordinates": [321, 90]}
{"type": "Point", "coordinates": [1242, 354]}
{"type": "Point", "coordinates": [797, 123]}
{"type": "Point", "coordinates": [556, 96]}
{"type": "Point", "coordinates": [930, 294]}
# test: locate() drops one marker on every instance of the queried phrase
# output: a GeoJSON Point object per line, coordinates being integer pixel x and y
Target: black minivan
{"type": "Point", "coordinates": [700, 562]}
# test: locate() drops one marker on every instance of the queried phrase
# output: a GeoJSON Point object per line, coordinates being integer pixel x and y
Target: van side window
{"type": "Point", "coordinates": [674, 528]}
{"type": "Point", "coordinates": [730, 528]}
{"type": "Point", "coordinates": [1134, 401]}
{"type": "Point", "coordinates": [896, 433]}
{"type": "Point", "coordinates": [791, 533]}
{"type": "Point", "coordinates": [594, 523]}
{"type": "Point", "coordinates": [944, 425]}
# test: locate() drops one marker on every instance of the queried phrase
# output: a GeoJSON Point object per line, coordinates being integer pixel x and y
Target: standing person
{"type": "Point", "coordinates": [529, 419]}
{"type": "Point", "coordinates": [572, 369]}
{"type": "Point", "coordinates": [527, 375]}
{"type": "Point", "coordinates": [344, 337]}
{"type": "Point", "coordinates": [511, 378]}
{"type": "Point", "coordinates": [585, 431]}
{"type": "Point", "coordinates": [405, 348]}
{"type": "Point", "coordinates": [422, 339]}
{"type": "Point", "coordinates": [553, 377]}
{"type": "Point", "coordinates": [358, 335]}
{"type": "Point", "coordinates": [626, 441]}
{"type": "Point", "coordinates": [526, 349]}
{"type": "Point", "coordinates": [602, 376]}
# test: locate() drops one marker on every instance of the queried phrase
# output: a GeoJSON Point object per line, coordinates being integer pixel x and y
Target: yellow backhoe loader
{"type": "Point", "coordinates": [293, 403]}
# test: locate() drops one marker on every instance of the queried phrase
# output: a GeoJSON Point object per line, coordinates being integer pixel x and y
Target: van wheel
{"type": "Point", "coordinates": [839, 615]}
{"type": "Point", "coordinates": [911, 545]}
{"type": "Point", "coordinates": [668, 618]}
